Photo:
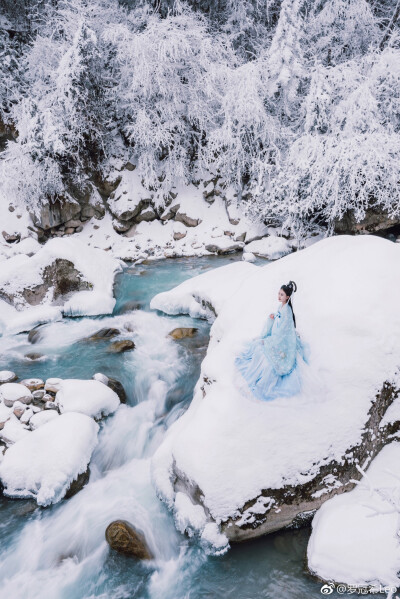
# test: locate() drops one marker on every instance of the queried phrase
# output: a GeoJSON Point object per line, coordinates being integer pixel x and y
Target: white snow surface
{"type": "Point", "coordinates": [21, 271]}
{"type": "Point", "coordinates": [232, 445]}
{"type": "Point", "coordinates": [43, 463]}
{"type": "Point", "coordinates": [191, 296]}
{"type": "Point", "coordinates": [90, 397]}
{"type": "Point", "coordinates": [355, 536]}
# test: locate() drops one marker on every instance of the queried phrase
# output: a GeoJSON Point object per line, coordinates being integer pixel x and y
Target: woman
{"type": "Point", "coordinates": [269, 363]}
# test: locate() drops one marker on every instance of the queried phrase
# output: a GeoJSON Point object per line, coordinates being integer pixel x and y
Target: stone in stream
{"type": "Point", "coordinates": [118, 388]}
{"type": "Point", "coordinates": [115, 385]}
{"type": "Point", "coordinates": [77, 485]}
{"type": "Point", "coordinates": [121, 346]}
{"type": "Point", "coordinates": [129, 307]}
{"type": "Point", "coordinates": [34, 335]}
{"type": "Point", "coordinates": [181, 332]}
{"type": "Point", "coordinates": [123, 537]}
{"type": "Point", "coordinates": [33, 356]}
{"type": "Point", "coordinates": [12, 392]}
{"type": "Point", "coordinates": [106, 333]}
{"type": "Point", "coordinates": [33, 384]}
{"type": "Point", "coordinates": [7, 376]}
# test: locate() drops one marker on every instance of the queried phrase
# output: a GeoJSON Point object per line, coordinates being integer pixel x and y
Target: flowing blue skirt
{"type": "Point", "coordinates": [261, 377]}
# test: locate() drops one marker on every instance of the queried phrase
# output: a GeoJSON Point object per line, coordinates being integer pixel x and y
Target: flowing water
{"type": "Point", "coordinates": [60, 552]}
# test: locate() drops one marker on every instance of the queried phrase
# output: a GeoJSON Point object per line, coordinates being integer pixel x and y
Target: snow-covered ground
{"type": "Point", "coordinates": [228, 447]}
{"type": "Point", "coordinates": [355, 536]}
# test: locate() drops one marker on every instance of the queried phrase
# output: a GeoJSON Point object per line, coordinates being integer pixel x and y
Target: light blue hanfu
{"type": "Point", "coordinates": [269, 363]}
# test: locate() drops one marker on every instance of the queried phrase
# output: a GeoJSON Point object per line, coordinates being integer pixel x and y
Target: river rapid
{"type": "Point", "coordinates": [60, 552]}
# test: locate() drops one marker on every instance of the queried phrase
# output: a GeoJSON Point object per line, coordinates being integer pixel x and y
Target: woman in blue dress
{"type": "Point", "coordinates": [269, 363]}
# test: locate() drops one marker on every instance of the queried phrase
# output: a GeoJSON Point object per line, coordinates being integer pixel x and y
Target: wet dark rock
{"type": "Point", "coordinates": [106, 333]}
{"type": "Point", "coordinates": [118, 388]}
{"type": "Point", "coordinates": [33, 356]}
{"type": "Point", "coordinates": [129, 307]}
{"type": "Point", "coordinates": [34, 335]}
{"type": "Point", "coordinates": [123, 345]}
{"type": "Point", "coordinates": [78, 484]}
{"type": "Point", "coordinates": [124, 538]}
{"type": "Point", "coordinates": [181, 332]}
{"type": "Point", "coordinates": [375, 220]}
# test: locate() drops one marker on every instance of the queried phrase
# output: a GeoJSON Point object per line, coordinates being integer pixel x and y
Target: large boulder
{"type": "Point", "coordinates": [62, 273]}
{"type": "Point", "coordinates": [56, 213]}
{"type": "Point", "coordinates": [269, 465]}
{"type": "Point", "coordinates": [375, 220]}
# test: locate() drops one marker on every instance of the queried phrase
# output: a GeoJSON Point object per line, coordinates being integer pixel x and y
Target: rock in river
{"type": "Point", "coordinates": [123, 537]}
{"type": "Point", "coordinates": [121, 346]}
{"type": "Point", "coordinates": [181, 332]}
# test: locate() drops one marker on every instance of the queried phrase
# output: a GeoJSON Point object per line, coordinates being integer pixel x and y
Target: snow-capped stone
{"type": "Point", "coordinates": [354, 536]}
{"type": "Point", "coordinates": [33, 384]}
{"type": "Point", "coordinates": [44, 463]}
{"type": "Point", "coordinates": [271, 247]}
{"type": "Point", "coordinates": [5, 414]}
{"type": "Point", "coordinates": [11, 392]}
{"type": "Point", "coordinates": [129, 198]}
{"type": "Point", "coordinates": [90, 397]}
{"type": "Point", "coordinates": [7, 376]}
{"type": "Point", "coordinates": [26, 416]}
{"type": "Point", "coordinates": [19, 408]}
{"type": "Point", "coordinates": [42, 417]}
{"type": "Point", "coordinates": [99, 376]}
{"type": "Point", "coordinates": [349, 384]}
{"type": "Point", "coordinates": [53, 385]}
{"type": "Point", "coordinates": [248, 257]}
{"type": "Point", "coordinates": [13, 430]}
{"type": "Point", "coordinates": [64, 272]}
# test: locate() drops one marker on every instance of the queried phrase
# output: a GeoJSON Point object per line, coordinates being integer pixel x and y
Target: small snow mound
{"type": "Point", "coordinates": [41, 418]}
{"type": "Point", "coordinates": [90, 397]}
{"type": "Point", "coordinates": [189, 517]}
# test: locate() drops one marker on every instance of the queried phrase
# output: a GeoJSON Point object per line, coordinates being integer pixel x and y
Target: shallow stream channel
{"type": "Point", "coordinates": [60, 552]}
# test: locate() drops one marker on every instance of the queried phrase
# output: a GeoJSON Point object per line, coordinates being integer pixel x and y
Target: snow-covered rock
{"type": "Point", "coordinates": [203, 296]}
{"type": "Point", "coordinates": [41, 418]}
{"type": "Point", "coordinates": [355, 536]}
{"type": "Point", "coordinates": [257, 467]}
{"type": "Point", "coordinates": [271, 247]}
{"type": "Point", "coordinates": [45, 462]}
{"type": "Point", "coordinates": [90, 397]}
{"type": "Point", "coordinates": [7, 376]}
{"type": "Point", "coordinates": [12, 392]}
{"type": "Point", "coordinates": [128, 199]}
{"type": "Point", "coordinates": [13, 430]}
{"type": "Point", "coordinates": [63, 273]}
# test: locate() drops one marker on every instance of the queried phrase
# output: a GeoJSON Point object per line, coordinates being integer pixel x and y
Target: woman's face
{"type": "Point", "coordinates": [282, 297]}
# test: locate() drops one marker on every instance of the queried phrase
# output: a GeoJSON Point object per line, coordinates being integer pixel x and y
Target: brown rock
{"type": "Point", "coordinates": [178, 235]}
{"type": "Point", "coordinates": [106, 333]}
{"type": "Point", "coordinates": [11, 237]}
{"type": "Point", "coordinates": [33, 356]}
{"type": "Point", "coordinates": [33, 384]}
{"type": "Point", "coordinates": [121, 346]}
{"type": "Point", "coordinates": [187, 220]}
{"type": "Point", "coordinates": [123, 537]}
{"type": "Point", "coordinates": [118, 388]}
{"type": "Point", "coordinates": [181, 332]}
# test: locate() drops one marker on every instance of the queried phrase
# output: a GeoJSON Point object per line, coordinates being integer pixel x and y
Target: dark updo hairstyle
{"type": "Point", "coordinates": [289, 289]}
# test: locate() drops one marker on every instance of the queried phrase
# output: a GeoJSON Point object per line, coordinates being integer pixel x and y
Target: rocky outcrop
{"type": "Point", "coordinates": [124, 538]}
{"type": "Point", "coordinates": [375, 220]}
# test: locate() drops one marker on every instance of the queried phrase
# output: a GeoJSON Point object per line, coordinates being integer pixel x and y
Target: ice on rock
{"type": "Point", "coordinates": [43, 464]}
{"type": "Point", "coordinates": [11, 392]}
{"type": "Point", "coordinates": [90, 397]}
{"type": "Point", "coordinates": [188, 516]}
